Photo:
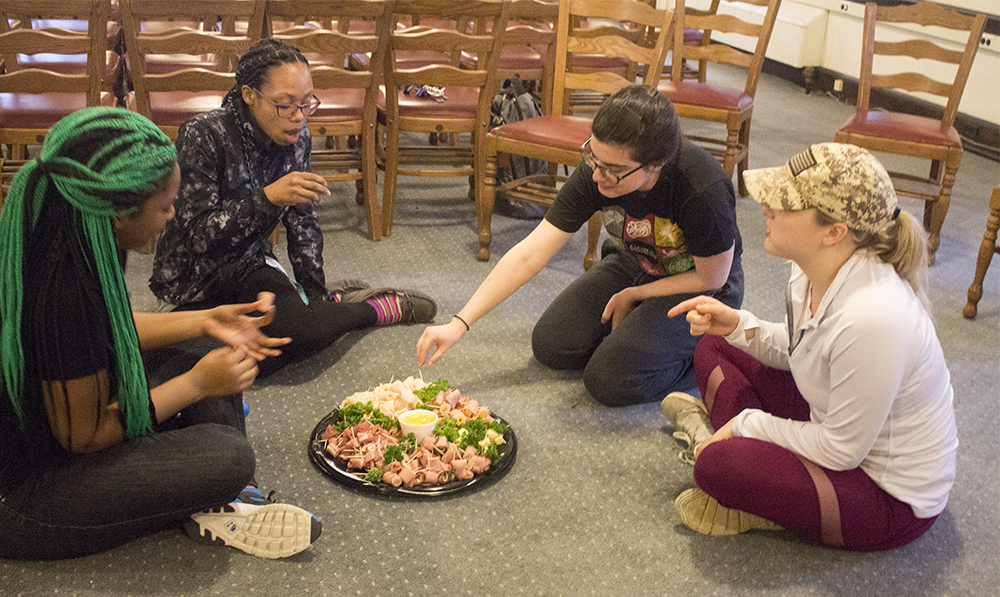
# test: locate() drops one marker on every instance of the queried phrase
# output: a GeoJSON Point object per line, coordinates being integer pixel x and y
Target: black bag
{"type": "Point", "coordinates": [514, 104]}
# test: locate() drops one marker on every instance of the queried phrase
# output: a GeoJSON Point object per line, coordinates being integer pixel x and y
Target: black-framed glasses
{"type": "Point", "coordinates": [287, 111]}
{"type": "Point", "coordinates": [588, 158]}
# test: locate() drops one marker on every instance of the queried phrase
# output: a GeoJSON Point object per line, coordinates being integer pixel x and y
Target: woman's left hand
{"type": "Point", "coordinates": [231, 325]}
{"type": "Point", "coordinates": [620, 305]}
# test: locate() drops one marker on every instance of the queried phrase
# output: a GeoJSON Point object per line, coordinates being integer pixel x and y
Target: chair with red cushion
{"type": "Point", "coordinates": [933, 139]}
{"type": "Point", "coordinates": [730, 107]}
{"type": "Point", "coordinates": [178, 72]}
{"type": "Point", "coordinates": [348, 97]}
{"type": "Point", "coordinates": [557, 137]}
{"type": "Point", "coordinates": [465, 109]}
{"type": "Point", "coordinates": [39, 91]}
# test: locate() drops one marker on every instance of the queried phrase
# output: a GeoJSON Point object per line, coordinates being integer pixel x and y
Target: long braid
{"type": "Point", "coordinates": [131, 155]}
{"type": "Point", "coordinates": [252, 72]}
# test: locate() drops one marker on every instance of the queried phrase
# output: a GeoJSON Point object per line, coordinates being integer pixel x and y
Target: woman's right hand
{"type": "Point", "coordinates": [296, 187]}
{"type": "Point", "coordinates": [442, 336]}
{"type": "Point", "coordinates": [224, 371]}
{"type": "Point", "coordinates": [707, 316]}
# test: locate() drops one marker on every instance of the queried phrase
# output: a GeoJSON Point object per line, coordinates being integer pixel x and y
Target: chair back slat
{"type": "Point", "coordinates": [918, 49]}
{"type": "Point", "coordinates": [913, 82]}
{"type": "Point", "coordinates": [719, 53]}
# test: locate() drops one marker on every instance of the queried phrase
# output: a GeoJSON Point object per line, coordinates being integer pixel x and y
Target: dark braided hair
{"type": "Point", "coordinates": [100, 163]}
{"type": "Point", "coordinates": [641, 119]}
{"type": "Point", "coordinates": [252, 71]}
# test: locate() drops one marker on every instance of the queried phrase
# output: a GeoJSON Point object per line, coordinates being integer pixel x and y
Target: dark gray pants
{"type": "Point", "coordinates": [647, 356]}
{"type": "Point", "coordinates": [88, 503]}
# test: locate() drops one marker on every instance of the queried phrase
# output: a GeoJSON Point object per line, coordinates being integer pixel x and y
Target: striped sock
{"type": "Point", "coordinates": [338, 296]}
{"type": "Point", "coordinates": [387, 309]}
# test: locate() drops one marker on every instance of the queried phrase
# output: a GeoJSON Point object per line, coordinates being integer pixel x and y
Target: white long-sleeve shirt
{"type": "Point", "coordinates": [870, 365]}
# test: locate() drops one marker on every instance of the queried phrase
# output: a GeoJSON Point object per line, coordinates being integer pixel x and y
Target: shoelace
{"type": "Point", "coordinates": [687, 454]}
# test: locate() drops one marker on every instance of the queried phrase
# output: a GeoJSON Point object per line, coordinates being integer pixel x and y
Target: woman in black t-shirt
{"type": "Point", "coordinates": [99, 443]}
{"type": "Point", "coordinates": [670, 212]}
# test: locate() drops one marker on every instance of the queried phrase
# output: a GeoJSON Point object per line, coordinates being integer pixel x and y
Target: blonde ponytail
{"type": "Point", "coordinates": [902, 244]}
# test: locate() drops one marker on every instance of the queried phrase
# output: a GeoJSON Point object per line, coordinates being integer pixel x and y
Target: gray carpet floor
{"type": "Point", "coordinates": [587, 508]}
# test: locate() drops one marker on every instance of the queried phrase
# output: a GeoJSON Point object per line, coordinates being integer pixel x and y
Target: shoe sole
{"type": "Point", "coordinates": [701, 513]}
{"type": "Point", "coordinates": [270, 531]}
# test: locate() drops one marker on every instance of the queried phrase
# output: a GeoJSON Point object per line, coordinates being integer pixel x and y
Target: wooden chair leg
{"type": "Point", "coordinates": [485, 197]}
{"type": "Point", "coordinates": [391, 174]}
{"type": "Point", "coordinates": [939, 210]}
{"type": "Point", "coordinates": [744, 140]}
{"type": "Point", "coordinates": [986, 251]}
{"type": "Point", "coordinates": [593, 235]}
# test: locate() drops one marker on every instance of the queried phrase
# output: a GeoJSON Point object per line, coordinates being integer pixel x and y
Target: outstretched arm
{"type": "Point", "coordinates": [519, 265]}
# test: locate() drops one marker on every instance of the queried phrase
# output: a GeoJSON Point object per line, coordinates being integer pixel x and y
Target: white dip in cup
{"type": "Point", "coordinates": [419, 422]}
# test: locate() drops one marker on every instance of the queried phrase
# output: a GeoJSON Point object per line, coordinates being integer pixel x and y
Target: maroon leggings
{"type": "Point", "coordinates": [843, 509]}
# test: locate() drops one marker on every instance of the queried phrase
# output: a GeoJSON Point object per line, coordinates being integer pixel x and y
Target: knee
{"type": "Point", "coordinates": [553, 352]}
{"type": "Point", "coordinates": [708, 347]}
{"type": "Point", "coordinates": [609, 383]}
{"type": "Point", "coordinates": [233, 461]}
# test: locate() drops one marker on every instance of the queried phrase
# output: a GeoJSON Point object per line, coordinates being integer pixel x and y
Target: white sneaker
{"type": "Point", "coordinates": [689, 418]}
{"type": "Point", "coordinates": [268, 531]}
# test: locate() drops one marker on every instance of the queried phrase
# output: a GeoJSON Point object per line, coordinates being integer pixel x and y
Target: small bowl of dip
{"type": "Point", "coordinates": [419, 422]}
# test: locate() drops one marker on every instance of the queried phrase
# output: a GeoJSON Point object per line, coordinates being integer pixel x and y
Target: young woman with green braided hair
{"type": "Point", "coordinates": [244, 169]}
{"type": "Point", "coordinates": [101, 443]}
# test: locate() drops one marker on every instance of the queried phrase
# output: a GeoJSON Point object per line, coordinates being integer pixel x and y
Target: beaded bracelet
{"type": "Point", "coordinates": [465, 323]}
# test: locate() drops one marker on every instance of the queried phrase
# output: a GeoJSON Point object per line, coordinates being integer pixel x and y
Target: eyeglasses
{"type": "Point", "coordinates": [588, 158]}
{"type": "Point", "coordinates": [287, 111]}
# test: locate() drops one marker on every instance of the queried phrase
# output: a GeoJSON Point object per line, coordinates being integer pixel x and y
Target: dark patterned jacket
{"type": "Point", "coordinates": [222, 223]}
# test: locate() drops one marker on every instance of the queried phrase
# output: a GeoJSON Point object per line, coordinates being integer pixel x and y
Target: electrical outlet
{"type": "Point", "coordinates": [838, 85]}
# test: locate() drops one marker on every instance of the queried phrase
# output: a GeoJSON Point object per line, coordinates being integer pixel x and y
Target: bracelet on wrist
{"type": "Point", "coordinates": [465, 323]}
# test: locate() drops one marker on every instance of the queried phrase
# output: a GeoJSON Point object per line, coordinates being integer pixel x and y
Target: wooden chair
{"type": "Point", "coordinates": [558, 137]}
{"type": "Point", "coordinates": [906, 134]}
{"type": "Point", "coordinates": [468, 92]}
{"type": "Point", "coordinates": [37, 94]}
{"type": "Point", "coordinates": [56, 19]}
{"type": "Point", "coordinates": [348, 97]}
{"type": "Point", "coordinates": [529, 46]}
{"type": "Point", "coordinates": [987, 249]}
{"type": "Point", "coordinates": [713, 103]}
{"type": "Point", "coordinates": [168, 96]}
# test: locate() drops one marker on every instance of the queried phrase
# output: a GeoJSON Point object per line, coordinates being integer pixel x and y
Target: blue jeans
{"type": "Point", "coordinates": [647, 356]}
{"type": "Point", "coordinates": [89, 503]}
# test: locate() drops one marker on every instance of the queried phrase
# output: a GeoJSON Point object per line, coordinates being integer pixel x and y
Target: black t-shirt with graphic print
{"type": "Point", "coordinates": [690, 212]}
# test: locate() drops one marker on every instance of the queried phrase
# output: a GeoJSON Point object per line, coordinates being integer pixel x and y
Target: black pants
{"type": "Point", "coordinates": [311, 327]}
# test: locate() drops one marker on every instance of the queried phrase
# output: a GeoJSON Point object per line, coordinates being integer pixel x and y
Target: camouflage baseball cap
{"type": "Point", "coordinates": [843, 181]}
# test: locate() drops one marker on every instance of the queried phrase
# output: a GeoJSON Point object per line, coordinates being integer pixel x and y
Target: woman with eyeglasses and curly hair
{"type": "Point", "coordinates": [114, 424]}
{"type": "Point", "coordinates": [244, 170]}
{"type": "Point", "coordinates": [670, 212]}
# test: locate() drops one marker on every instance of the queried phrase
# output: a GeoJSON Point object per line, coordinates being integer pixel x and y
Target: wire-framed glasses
{"type": "Point", "coordinates": [614, 177]}
{"type": "Point", "coordinates": [287, 111]}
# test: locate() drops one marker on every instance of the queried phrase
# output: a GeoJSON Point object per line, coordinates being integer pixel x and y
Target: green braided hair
{"type": "Point", "coordinates": [103, 162]}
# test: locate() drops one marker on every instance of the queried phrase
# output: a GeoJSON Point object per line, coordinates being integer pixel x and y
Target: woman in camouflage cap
{"type": "Point", "coordinates": [836, 424]}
